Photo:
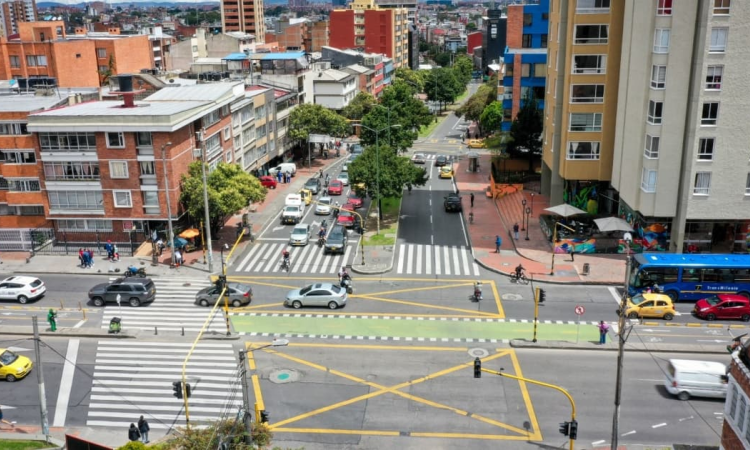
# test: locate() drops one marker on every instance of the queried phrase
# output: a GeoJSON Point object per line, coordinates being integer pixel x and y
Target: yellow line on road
{"type": "Point", "coordinates": [500, 311]}
{"type": "Point", "coordinates": [334, 431]}
{"type": "Point", "coordinates": [265, 284]}
{"type": "Point", "coordinates": [383, 347]}
{"type": "Point", "coordinates": [537, 435]}
{"type": "Point", "coordinates": [254, 378]}
{"type": "Point", "coordinates": [494, 437]}
{"type": "Point", "coordinates": [425, 288]}
{"type": "Point", "coordinates": [430, 306]}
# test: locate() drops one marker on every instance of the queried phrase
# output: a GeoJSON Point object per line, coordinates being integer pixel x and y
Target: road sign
{"type": "Point", "coordinates": [580, 310]}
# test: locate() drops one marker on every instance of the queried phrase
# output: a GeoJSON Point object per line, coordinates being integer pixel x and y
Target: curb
{"type": "Point", "coordinates": [389, 267]}
{"type": "Point", "coordinates": [695, 325]}
{"type": "Point", "coordinates": [53, 442]}
{"type": "Point", "coordinates": [640, 348]}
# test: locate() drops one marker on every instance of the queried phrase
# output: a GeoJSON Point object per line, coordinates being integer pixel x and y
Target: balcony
{"type": "Point", "coordinates": [148, 180]}
{"type": "Point", "coordinates": [145, 150]}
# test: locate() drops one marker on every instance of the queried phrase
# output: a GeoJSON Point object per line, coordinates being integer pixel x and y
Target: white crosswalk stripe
{"type": "Point", "coordinates": [172, 310]}
{"type": "Point", "coordinates": [444, 259]}
{"type": "Point", "coordinates": [135, 378]}
{"type": "Point", "coordinates": [433, 156]}
{"type": "Point", "coordinates": [265, 257]}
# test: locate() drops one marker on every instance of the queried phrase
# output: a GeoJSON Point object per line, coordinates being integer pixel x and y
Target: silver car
{"type": "Point", "coordinates": [323, 207]}
{"type": "Point", "coordinates": [343, 178]}
{"type": "Point", "coordinates": [300, 235]}
{"type": "Point", "coordinates": [319, 294]}
{"type": "Point", "coordinates": [238, 294]}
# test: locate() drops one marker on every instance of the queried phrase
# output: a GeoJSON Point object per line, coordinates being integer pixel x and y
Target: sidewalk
{"type": "Point", "coordinates": [497, 217]}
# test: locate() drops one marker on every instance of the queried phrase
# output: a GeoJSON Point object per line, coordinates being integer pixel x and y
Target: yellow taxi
{"type": "Point", "coordinates": [446, 172]}
{"type": "Point", "coordinates": [13, 366]}
{"type": "Point", "coordinates": [306, 195]}
{"type": "Point", "coordinates": [476, 143]}
{"type": "Point", "coordinates": [647, 305]}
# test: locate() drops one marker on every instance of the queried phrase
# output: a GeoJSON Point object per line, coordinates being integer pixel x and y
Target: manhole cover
{"type": "Point", "coordinates": [283, 376]}
{"type": "Point", "coordinates": [478, 352]}
{"type": "Point", "coordinates": [511, 297]}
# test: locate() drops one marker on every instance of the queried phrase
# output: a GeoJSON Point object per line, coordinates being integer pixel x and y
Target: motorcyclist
{"type": "Point", "coordinates": [519, 271]}
{"type": "Point", "coordinates": [322, 234]}
{"type": "Point", "coordinates": [285, 257]}
{"type": "Point", "coordinates": [477, 290]}
{"type": "Point", "coordinates": [343, 275]}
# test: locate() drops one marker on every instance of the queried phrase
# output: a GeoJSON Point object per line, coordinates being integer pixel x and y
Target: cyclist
{"type": "Point", "coordinates": [519, 271]}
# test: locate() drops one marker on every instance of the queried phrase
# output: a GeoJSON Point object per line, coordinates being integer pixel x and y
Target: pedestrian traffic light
{"type": "Point", "coordinates": [263, 416]}
{"type": "Point", "coordinates": [177, 389]}
{"type": "Point", "coordinates": [188, 390]}
{"type": "Point", "coordinates": [565, 428]}
{"type": "Point", "coordinates": [574, 429]}
{"type": "Point", "coordinates": [542, 295]}
{"type": "Point", "coordinates": [477, 368]}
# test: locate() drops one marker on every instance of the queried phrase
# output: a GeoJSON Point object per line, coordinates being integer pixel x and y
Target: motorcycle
{"type": "Point", "coordinates": [321, 241]}
{"type": "Point", "coordinates": [477, 292]}
{"type": "Point", "coordinates": [346, 283]}
{"type": "Point", "coordinates": [133, 271]}
{"type": "Point", "coordinates": [285, 263]}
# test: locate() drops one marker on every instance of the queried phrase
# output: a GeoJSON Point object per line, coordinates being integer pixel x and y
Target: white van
{"type": "Point", "coordinates": [284, 168]}
{"type": "Point", "coordinates": [686, 378]}
{"type": "Point", "coordinates": [295, 200]}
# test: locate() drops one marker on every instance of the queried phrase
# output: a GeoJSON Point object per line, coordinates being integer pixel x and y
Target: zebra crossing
{"type": "Point", "coordinates": [135, 378]}
{"type": "Point", "coordinates": [172, 310]}
{"type": "Point", "coordinates": [415, 259]}
{"type": "Point", "coordinates": [266, 258]}
{"type": "Point", "coordinates": [433, 156]}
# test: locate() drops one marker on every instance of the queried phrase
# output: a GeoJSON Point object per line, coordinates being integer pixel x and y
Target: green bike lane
{"type": "Point", "coordinates": [409, 328]}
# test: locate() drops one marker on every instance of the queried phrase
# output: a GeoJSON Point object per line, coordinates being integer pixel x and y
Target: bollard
{"type": "Point", "coordinates": [156, 331]}
{"type": "Point", "coordinates": [80, 307]}
{"type": "Point", "coordinates": [183, 331]}
{"type": "Point", "coordinates": [586, 269]}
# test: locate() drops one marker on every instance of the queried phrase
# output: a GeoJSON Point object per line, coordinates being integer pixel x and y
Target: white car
{"type": "Point", "coordinates": [418, 158]}
{"type": "Point", "coordinates": [345, 167]}
{"type": "Point", "coordinates": [323, 207]}
{"type": "Point", "coordinates": [300, 234]}
{"type": "Point", "coordinates": [343, 178]}
{"type": "Point", "coordinates": [22, 288]}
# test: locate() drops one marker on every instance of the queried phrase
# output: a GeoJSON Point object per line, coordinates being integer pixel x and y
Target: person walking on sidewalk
{"type": "Point", "coordinates": [52, 319]}
{"type": "Point", "coordinates": [12, 424]}
{"type": "Point", "coordinates": [498, 243]}
{"type": "Point", "coordinates": [603, 329]}
{"type": "Point", "coordinates": [133, 433]}
{"type": "Point", "coordinates": [515, 230]}
{"type": "Point", "coordinates": [472, 199]}
{"type": "Point", "coordinates": [143, 428]}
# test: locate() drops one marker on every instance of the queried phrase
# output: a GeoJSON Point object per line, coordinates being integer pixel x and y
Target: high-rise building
{"type": "Point", "coordinates": [493, 41]}
{"type": "Point", "coordinates": [245, 16]}
{"type": "Point", "coordinates": [373, 29]}
{"type": "Point", "coordinates": [14, 11]}
{"type": "Point", "coordinates": [642, 122]}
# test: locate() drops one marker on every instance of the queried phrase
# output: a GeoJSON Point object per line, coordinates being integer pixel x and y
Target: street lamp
{"type": "Point", "coordinates": [206, 214]}
{"type": "Point", "coordinates": [388, 108]}
{"type": "Point", "coordinates": [528, 213]}
{"type": "Point", "coordinates": [532, 203]}
{"type": "Point", "coordinates": [523, 204]}
{"type": "Point", "coordinates": [377, 164]}
{"type": "Point", "coordinates": [169, 202]}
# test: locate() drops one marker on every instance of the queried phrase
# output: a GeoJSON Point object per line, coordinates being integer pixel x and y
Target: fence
{"type": "Point", "coordinates": [20, 239]}
{"type": "Point", "coordinates": [58, 242]}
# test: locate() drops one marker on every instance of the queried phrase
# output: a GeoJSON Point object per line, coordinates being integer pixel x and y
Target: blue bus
{"type": "Point", "coordinates": [691, 276]}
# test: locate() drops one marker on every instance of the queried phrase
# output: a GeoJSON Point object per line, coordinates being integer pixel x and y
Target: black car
{"type": "Point", "coordinates": [441, 161]}
{"type": "Point", "coordinates": [132, 291]}
{"type": "Point", "coordinates": [313, 184]}
{"type": "Point", "coordinates": [452, 202]}
{"type": "Point", "coordinates": [336, 240]}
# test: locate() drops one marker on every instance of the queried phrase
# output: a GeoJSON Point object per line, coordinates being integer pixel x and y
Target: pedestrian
{"type": "Point", "coordinates": [278, 176]}
{"type": "Point", "coordinates": [498, 243]}
{"type": "Point", "coordinates": [80, 257]}
{"type": "Point", "coordinates": [515, 230]}
{"type": "Point", "coordinates": [288, 177]}
{"type": "Point", "coordinates": [603, 329]}
{"type": "Point", "coordinates": [178, 257]}
{"type": "Point", "coordinates": [108, 248]}
{"type": "Point", "coordinates": [116, 253]}
{"type": "Point", "coordinates": [91, 258]}
{"type": "Point", "coordinates": [85, 258]}
{"type": "Point", "coordinates": [143, 428]}
{"type": "Point", "coordinates": [52, 319]}
{"type": "Point", "coordinates": [133, 433]}
{"type": "Point", "coordinates": [12, 424]}
{"type": "Point", "coordinates": [471, 196]}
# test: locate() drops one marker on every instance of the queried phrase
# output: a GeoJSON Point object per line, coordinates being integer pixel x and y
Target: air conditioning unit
{"type": "Point", "coordinates": [197, 153]}
{"type": "Point", "coordinates": [199, 136]}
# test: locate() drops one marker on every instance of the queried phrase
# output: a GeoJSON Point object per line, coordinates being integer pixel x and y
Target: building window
{"type": "Point", "coordinates": [101, 53]}
{"type": "Point", "coordinates": [592, 6]}
{"type": "Point", "coordinates": [71, 170]}
{"type": "Point", "coordinates": [526, 41]}
{"type": "Point", "coordinates": [589, 64]}
{"type": "Point", "coordinates": [591, 34]}
{"type": "Point", "coordinates": [227, 133]}
{"type": "Point", "coordinates": [509, 70]}
{"type": "Point", "coordinates": [583, 150]}
{"type": "Point", "coordinates": [664, 7]}
{"type": "Point", "coordinates": [122, 199]}
{"type": "Point", "coordinates": [706, 149]}
{"type": "Point", "coordinates": [733, 402]}
{"type": "Point", "coordinates": [15, 61]}
{"type": "Point", "coordinates": [143, 139]}
{"type": "Point", "coordinates": [525, 70]}
{"type": "Point", "coordinates": [147, 168]}
{"type": "Point", "coordinates": [24, 185]}
{"type": "Point", "coordinates": [118, 169]}
{"type": "Point", "coordinates": [648, 180]}
{"type": "Point", "coordinates": [658, 77]}
{"type": "Point", "coordinates": [586, 122]}
{"type": "Point", "coordinates": [527, 19]}
{"type": "Point", "coordinates": [718, 40]}
{"type": "Point", "coordinates": [211, 118]}
{"type": "Point", "coordinates": [721, 7]}
{"type": "Point", "coordinates": [661, 40]}
{"type": "Point", "coordinates": [710, 115]}
{"type": "Point", "coordinates": [17, 157]}
{"type": "Point", "coordinates": [75, 200]}
{"type": "Point", "coordinates": [63, 142]}
{"type": "Point", "coordinates": [652, 147]}
{"type": "Point", "coordinates": [213, 146]}
{"type": "Point", "coordinates": [115, 140]}
{"type": "Point", "coordinates": [543, 43]}
{"type": "Point", "coordinates": [36, 60]}
{"type": "Point", "coordinates": [587, 93]}
{"type": "Point", "coordinates": [741, 413]}
{"type": "Point", "coordinates": [540, 71]}
{"type": "Point", "coordinates": [151, 202]}
{"type": "Point", "coordinates": [713, 77]}
{"type": "Point", "coordinates": [13, 129]}
{"type": "Point", "coordinates": [84, 225]}
{"type": "Point", "coordinates": [655, 112]}
{"type": "Point", "coordinates": [702, 184]}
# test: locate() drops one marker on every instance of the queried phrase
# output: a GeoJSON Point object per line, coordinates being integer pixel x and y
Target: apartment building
{"type": "Point", "coordinates": [334, 89]}
{"type": "Point", "coordinates": [245, 16]}
{"type": "Point", "coordinates": [735, 433]}
{"type": "Point", "coordinates": [14, 11]}
{"type": "Point", "coordinates": [261, 121]}
{"type": "Point", "coordinates": [647, 117]}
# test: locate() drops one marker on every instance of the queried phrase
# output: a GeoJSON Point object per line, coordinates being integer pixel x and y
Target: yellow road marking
{"type": "Point", "coordinates": [425, 288]}
{"type": "Point", "coordinates": [500, 311]}
{"type": "Point", "coordinates": [266, 284]}
{"type": "Point", "coordinates": [359, 280]}
{"type": "Point", "coordinates": [256, 381]}
{"type": "Point", "coordinates": [334, 431]}
{"type": "Point", "coordinates": [537, 435]}
{"type": "Point", "coordinates": [425, 305]}
{"type": "Point", "coordinates": [382, 347]}
{"type": "Point", "coordinates": [362, 314]}
{"type": "Point", "coordinates": [246, 308]}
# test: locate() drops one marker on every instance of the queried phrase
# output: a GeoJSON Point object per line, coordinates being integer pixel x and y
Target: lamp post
{"type": "Point", "coordinates": [207, 217]}
{"type": "Point", "coordinates": [223, 265]}
{"type": "Point", "coordinates": [532, 203]}
{"type": "Point", "coordinates": [389, 108]}
{"type": "Point", "coordinates": [528, 213]}
{"type": "Point", "coordinates": [169, 202]}
{"type": "Point", "coordinates": [523, 204]}
{"type": "Point", "coordinates": [377, 163]}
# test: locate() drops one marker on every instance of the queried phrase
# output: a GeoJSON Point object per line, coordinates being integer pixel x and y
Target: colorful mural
{"type": "Point", "coordinates": [582, 197]}
{"type": "Point", "coordinates": [578, 245]}
{"type": "Point", "coordinates": [649, 237]}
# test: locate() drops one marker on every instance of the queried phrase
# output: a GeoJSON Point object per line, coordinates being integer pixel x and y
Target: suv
{"type": "Point", "coordinates": [313, 185]}
{"type": "Point", "coordinates": [452, 202]}
{"type": "Point", "coordinates": [723, 306]}
{"type": "Point", "coordinates": [22, 289]}
{"type": "Point", "coordinates": [133, 291]}
{"type": "Point", "coordinates": [336, 240]}
{"type": "Point", "coordinates": [292, 214]}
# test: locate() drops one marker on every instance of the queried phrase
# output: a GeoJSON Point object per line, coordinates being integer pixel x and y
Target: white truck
{"type": "Point", "coordinates": [292, 214]}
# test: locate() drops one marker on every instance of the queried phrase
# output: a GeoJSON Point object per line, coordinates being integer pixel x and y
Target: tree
{"type": "Point", "coordinates": [310, 118]}
{"type": "Point", "coordinates": [390, 178]}
{"type": "Point", "coordinates": [471, 26]}
{"type": "Point", "coordinates": [406, 112]}
{"type": "Point", "coordinates": [473, 108]}
{"type": "Point", "coordinates": [492, 117]}
{"type": "Point", "coordinates": [526, 131]}
{"type": "Point", "coordinates": [441, 86]}
{"type": "Point", "coordinates": [463, 66]}
{"type": "Point", "coordinates": [411, 77]}
{"type": "Point", "coordinates": [229, 189]}
{"type": "Point", "coordinates": [360, 105]}
{"type": "Point", "coordinates": [443, 59]}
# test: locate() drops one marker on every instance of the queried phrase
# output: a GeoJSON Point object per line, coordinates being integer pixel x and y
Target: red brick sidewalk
{"type": "Point", "coordinates": [497, 217]}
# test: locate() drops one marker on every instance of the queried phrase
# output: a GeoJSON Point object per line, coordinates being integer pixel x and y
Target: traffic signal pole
{"type": "Point", "coordinates": [247, 419]}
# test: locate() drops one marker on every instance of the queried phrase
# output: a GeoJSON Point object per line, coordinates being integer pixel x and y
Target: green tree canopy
{"type": "Point", "coordinates": [473, 108]}
{"type": "Point", "coordinates": [411, 77]}
{"type": "Point", "coordinates": [442, 86]}
{"type": "Point", "coordinates": [360, 105]}
{"type": "Point", "coordinates": [443, 59]}
{"type": "Point", "coordinates": [310, 118]}
{"type": "Point", "coordinates": [492, 117]}
{"type": "Point", "coordinates": [229, 189]}
{"type": "Point", "coordinates": [526, 131]}
{"type": "Point", "coordinates": [389, 180]}
{"type": "Point", "coordinates": [407, 113]}
{"type": "Point", "coordinates": [471, 26]}
{"type": "Point", "coordinates": [463, 66]}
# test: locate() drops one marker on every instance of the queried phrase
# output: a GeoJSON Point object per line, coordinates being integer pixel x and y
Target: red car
{"type": "Point", "coordinates": [723, 306]}
{"type": "Point", "coordinates": [353, 200]}
{"type": "Point", "coordinates": [268, 181]}
{"type": "Point", "coordinates": [346, 217]}
{"type": "Point", "coordinates": [335, 188]}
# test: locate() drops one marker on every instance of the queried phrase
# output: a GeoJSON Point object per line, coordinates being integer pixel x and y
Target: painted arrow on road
{"type": "Point", "coordinates": [649, 330]}
{"type": "Point", "coordinates": [278, 228]}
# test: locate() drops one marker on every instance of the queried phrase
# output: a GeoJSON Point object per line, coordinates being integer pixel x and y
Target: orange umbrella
{"type": "Point", "coordinates": [190, 233]}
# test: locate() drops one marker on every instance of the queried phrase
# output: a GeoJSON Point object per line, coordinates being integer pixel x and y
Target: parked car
{"type": "Point", "coordinates": [343, 177]}
{"type": "Point", "coordinates": [268, 181]}
{"type": "Point", "coordinates": [354, 200]}
{"type": "Point", "coordinates": [446, 172]}
{"type": "Point", "coordinates": [300, 234]}
{"type": "Point", "coordinates": [418, 158]}
{"type": "Point", "coordinates": [649, 306]}
{"type": "Point", "coordinates": [476, 143]}
{"type": "Point", "coordinates": [335, 188]}
{"type": "Point", "coordinates": [132, 291]}
{"type": "Point", "coordinates": [441, 161]}
{"type": "Point", "coordinates": [238, 294]}
{"type": "Point", "coordinates": [336, 240]}
{"type": "Point", "coordinates": [313, 185]}
{"type": "Point", "coordinates": [306, 195]}
{"type": "Point", "coordinates": [13, 366]}
{"type": "Point", "coordinates": [323, 206]}
{"type": "Point", "coordinates": [22, 288]}
{"type": "Point", "coordinates": [319, 294]}
{"type": "Point", "coordinates": [723, 306]}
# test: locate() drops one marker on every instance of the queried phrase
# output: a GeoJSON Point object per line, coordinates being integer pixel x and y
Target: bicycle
{"type": "Point", "coordinates": [519, 279]}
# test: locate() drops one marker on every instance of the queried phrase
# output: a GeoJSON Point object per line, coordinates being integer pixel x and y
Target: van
{"type": "Point", "coordinates": [686, 378]}
{"type": "Point", "coordinates": [295, 200]}
{"type": "Point", "coordinates": [284, 168]}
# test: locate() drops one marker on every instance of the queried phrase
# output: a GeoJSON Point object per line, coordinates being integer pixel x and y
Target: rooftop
{"type": "Point", "coordinates": [210, 92]}
{"type": "Point", "coordinates": [359, 69]}
{"type": "Point", "coordinates": [14, 102]}
{"type": "Point", "coordinates": [332, 75]}
{"type": "Point", "coordinates": [115, 108]}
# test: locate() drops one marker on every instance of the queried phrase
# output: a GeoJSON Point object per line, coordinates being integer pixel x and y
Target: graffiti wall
{"type": "Point", "coordinates": [584, 196]}
{"type": "Point", "coordinates": [577, 245]}
{"type": "Point", "coordinates": [649, 236]}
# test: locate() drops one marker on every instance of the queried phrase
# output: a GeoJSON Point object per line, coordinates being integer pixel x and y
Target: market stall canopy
{"type": "Point", "coordinates": [565, 210]}
{"type": "Point", "coordinates": [612, 224]}
{"type": "Point", "coordinates": [190, 233]}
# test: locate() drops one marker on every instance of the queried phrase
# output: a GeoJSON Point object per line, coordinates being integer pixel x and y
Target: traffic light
{"type": "Point", "coordinates": [574, 429]}
{"type": "Point", "coordinates": [477, 368]}
{"type": "Point", "coordinates": [542, 295]}
{"type": "Point", "coordinates": [177, 389]}
{"type": "Point", "coordinates": [188, 390]}
{"type": "Point", "coordinates": [263, 416]}
{"type": "Point", "coordinates": [221, 281]}
{"type": "Point", "coordinates": [565, 428]}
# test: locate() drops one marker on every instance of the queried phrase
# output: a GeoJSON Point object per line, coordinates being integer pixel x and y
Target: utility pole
{"type": "Point", "coordinates": [620, 355]}
{"type": "Point", "coordinates": [246, 418]}
{"type": "Point", "coordinates": [40, 379]}
{"type": "Point", "coordinates": [207, 217]}
{"type": "Point", "coordinates": [170, 239]}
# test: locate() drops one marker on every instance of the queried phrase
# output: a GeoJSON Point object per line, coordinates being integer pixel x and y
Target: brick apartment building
{"type": "Point", "coordinates": [299, 34]}
{"type": "Point", "coordinates": [43, 49]}
{"type": "Point", "coordinates": [12, 12]}
{"type": "Point", "coordinates": [735, 434]}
